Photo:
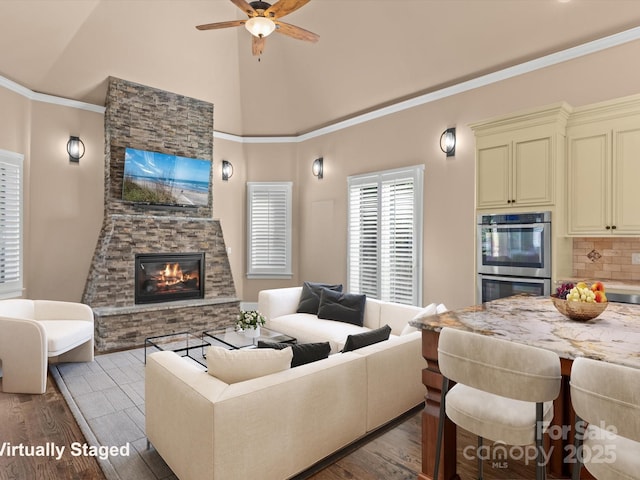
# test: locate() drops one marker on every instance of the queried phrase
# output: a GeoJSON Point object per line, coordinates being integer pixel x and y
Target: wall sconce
{"type": "Point", "coordinates": [448, 142]}
{"type": "Point", "coordinates": [227, 170]}
{"type": "Point", "coordinates": [317, 167]}
{"type": "Point", "coordinates": [75, 149]}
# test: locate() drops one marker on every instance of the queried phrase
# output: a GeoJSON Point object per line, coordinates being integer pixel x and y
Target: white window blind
{"type": "Point", "coordinates": [385, 235]}
{"type": "Point", "coordinates": [269, 229]}
{"type": "Point", "coordinates": [10, 224]}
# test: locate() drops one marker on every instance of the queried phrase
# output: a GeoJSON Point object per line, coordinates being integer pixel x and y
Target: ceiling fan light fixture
{"type": "Point", "coordinates": [260, 26]}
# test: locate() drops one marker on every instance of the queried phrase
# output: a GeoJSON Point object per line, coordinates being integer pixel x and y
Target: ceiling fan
{"type": "Point", "coordinates": [264, 19]}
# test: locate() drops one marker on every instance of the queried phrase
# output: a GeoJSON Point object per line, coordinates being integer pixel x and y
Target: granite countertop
{"type": "Point", "coordinates": [614, 336]}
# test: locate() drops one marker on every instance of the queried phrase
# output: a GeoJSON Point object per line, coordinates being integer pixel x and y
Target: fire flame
{"type": "Point", "coordinates": [172, 275]}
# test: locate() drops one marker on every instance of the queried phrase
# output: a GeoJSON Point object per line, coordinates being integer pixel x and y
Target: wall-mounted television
{"type": "Point", "coordinates": [160, 179]}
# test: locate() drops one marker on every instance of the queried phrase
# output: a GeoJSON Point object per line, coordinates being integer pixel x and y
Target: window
{"type": "Point", "coordinates": [10, 224]}
{"type": "Point", "coordinates": [385, 235]}
{"type": "Point", "coordinates": [269, 230]}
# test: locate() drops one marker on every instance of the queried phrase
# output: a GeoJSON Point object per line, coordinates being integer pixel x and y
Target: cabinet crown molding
{"type": "Point", "coordinates": [615, 109]}
{"type": "Point", "coordinates": [557, 113]}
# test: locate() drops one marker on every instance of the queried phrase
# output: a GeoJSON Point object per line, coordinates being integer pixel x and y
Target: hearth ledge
{"type": "Point", "coordinates": [161, 306]}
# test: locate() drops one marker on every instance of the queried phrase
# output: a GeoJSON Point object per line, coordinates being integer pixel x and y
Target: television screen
{"type": "Point", "coordinates": [162, 179]}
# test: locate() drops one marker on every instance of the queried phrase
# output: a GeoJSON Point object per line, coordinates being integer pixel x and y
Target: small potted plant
{"type": "Point", "coordinates": [250, 321]}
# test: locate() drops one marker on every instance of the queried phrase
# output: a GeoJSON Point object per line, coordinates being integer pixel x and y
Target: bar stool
{"type": "Point", "coordinates": [504, 391]}
{"type": "Point", "coordinates": [607, 396]}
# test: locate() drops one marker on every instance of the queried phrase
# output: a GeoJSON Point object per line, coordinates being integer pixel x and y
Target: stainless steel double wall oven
{"type": "Point", "coordinates": [514, 254]}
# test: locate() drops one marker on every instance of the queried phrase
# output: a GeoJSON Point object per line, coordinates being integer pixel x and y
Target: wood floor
{"type": "Point", "coordinates": [392, 454]}
{"type": "Point", "coordinates": [35, 420]}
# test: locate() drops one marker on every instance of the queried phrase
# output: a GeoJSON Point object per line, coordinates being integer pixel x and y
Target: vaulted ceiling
{"type": "Point", "coordinates": [371, 52]}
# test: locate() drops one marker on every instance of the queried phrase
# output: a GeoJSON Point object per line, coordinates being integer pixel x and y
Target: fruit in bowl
{"type": "Point", "coordinates": [580, 302]}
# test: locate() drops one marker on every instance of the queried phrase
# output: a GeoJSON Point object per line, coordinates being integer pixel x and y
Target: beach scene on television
{"type": "Point", "coordinates": [162, 179]}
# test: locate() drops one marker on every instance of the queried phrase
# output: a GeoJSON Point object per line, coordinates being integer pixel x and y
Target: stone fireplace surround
{"type": "Point", "coordinates": [146, 118]}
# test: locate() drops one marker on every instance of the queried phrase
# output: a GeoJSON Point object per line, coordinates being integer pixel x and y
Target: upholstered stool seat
{"type": "Point", "coordinates": [504, 390]}
{"type": "Point", "coordinates": [511, 421]}
{"type": "Point", "coordinates": [607, 397]}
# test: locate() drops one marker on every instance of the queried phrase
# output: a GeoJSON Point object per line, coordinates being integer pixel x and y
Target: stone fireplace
{"type": "Point", "coordinates": [128, 305]}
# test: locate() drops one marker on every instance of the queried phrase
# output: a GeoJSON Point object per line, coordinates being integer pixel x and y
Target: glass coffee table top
{"type": "Point", "coordinates": [231, 338]}
{"type": "Point", "coordinates": [183, 343]}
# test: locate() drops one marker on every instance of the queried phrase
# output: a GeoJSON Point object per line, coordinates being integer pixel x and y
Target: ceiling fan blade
{"type": "Point", "coordinates": [284, 7]}
{"type": "Point", "coordinates": [214, 26]}
{"type": "Point", "coordinates": [257, 45]}
{"type": "Point", "coordinates": [245, 7]}
{"type": "Point", "coordinates": [296, 32]}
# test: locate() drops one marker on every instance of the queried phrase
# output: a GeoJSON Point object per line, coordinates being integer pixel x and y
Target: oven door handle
{"type": "Point", "coordinates": [513, 279]}
{"type": "Point", "coordinates": [514, 225]}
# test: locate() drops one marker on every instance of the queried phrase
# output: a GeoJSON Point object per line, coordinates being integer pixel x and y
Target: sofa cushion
{"type": "Point", "coordinates": [307, 328]}
{"type": "Point", "coordinates": [342, 307]}
{"type": "Point", "coordinates": [232, 366]}
{"type": "Point", "coordinates": [302, 352]}
{"type": "Point", "coordinates": [310, 296]}
{"type": "Point", "coordinates": [366, 338]}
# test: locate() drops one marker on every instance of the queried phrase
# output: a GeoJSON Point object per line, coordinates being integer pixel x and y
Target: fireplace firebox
{"type": "Point", "coordinates": [164, 277]}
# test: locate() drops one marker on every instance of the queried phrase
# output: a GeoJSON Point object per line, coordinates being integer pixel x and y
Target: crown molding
{"type": "Point", "coordinates": [484, 80]}
{"type": "Point", "coordinates": [588, 48]}
{"type": "Point", "coordinates": [43, 97]}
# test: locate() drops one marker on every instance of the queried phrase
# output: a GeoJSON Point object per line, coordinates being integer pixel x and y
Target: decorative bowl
{"type": "Point", "coordinates": [581, 311]}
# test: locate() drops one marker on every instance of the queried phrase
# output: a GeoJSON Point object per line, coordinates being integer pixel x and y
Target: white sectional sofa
{"type": "Point", "coordinates": [279, 307]}
{"type": "Point", "coordinates": [278, 425]}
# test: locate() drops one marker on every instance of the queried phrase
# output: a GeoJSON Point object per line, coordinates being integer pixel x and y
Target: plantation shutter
{"type": "Point", "coordinates": [385, 235]}
{"type": "Point", "coordinates": [269, 230]}
{"type": "Point", "coordinates": [10, 224]}
{"type": "Point", "coordinates": [363, 237]}
{"type": "Point", "coordinates": [397, 240]}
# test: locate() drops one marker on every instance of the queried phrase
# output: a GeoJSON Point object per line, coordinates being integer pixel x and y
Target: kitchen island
{"type": "Point", "coordinates": [614, 337]}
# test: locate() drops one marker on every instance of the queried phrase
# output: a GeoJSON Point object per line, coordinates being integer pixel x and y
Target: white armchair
{"type": "Point", "coordinates": [34, 332]}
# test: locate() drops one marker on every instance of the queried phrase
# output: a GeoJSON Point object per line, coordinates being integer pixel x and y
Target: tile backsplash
{"type": "Point", "coordinates": [605, 258]}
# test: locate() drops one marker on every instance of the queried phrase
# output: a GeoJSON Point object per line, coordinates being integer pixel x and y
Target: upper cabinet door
{"type": "Point", "coordinates": [515, 173]}
{"type": "Point", "coordinates": [533, 172]}
{"type": "Point", "coordinates": [626, 180]}
{"type": "Point", "coordinates": [518, 157]}
{"type": "Point", "coordinates": [494, 175]}
{"type": "Point", "coordinates": [588, 179]}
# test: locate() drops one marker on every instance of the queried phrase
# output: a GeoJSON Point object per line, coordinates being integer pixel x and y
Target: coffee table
{"type": "Point", "coordinates": [182, 343]}
{"type": "Point", "coordinates": [230, 338]}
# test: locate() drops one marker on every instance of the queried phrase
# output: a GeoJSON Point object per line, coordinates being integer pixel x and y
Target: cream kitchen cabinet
{"type": "Point", "coordinates": [517, 158]}
{"type": "Point", "coordinates": [515, 172]}
{"type": "Point", "coordinates": [603, 169]}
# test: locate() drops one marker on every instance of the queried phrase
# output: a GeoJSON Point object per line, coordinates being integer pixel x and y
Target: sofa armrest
{"type": "Point", "coordinates": [394, 377]}
{"type": "Point", "coordinates": [397, 315]}
{"type": "Point", "coordinates": [179, 420]}
{"type": "Point", "coordinates": [57, 310]}
{"type": "Point", "coordinates": [277, 302]}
